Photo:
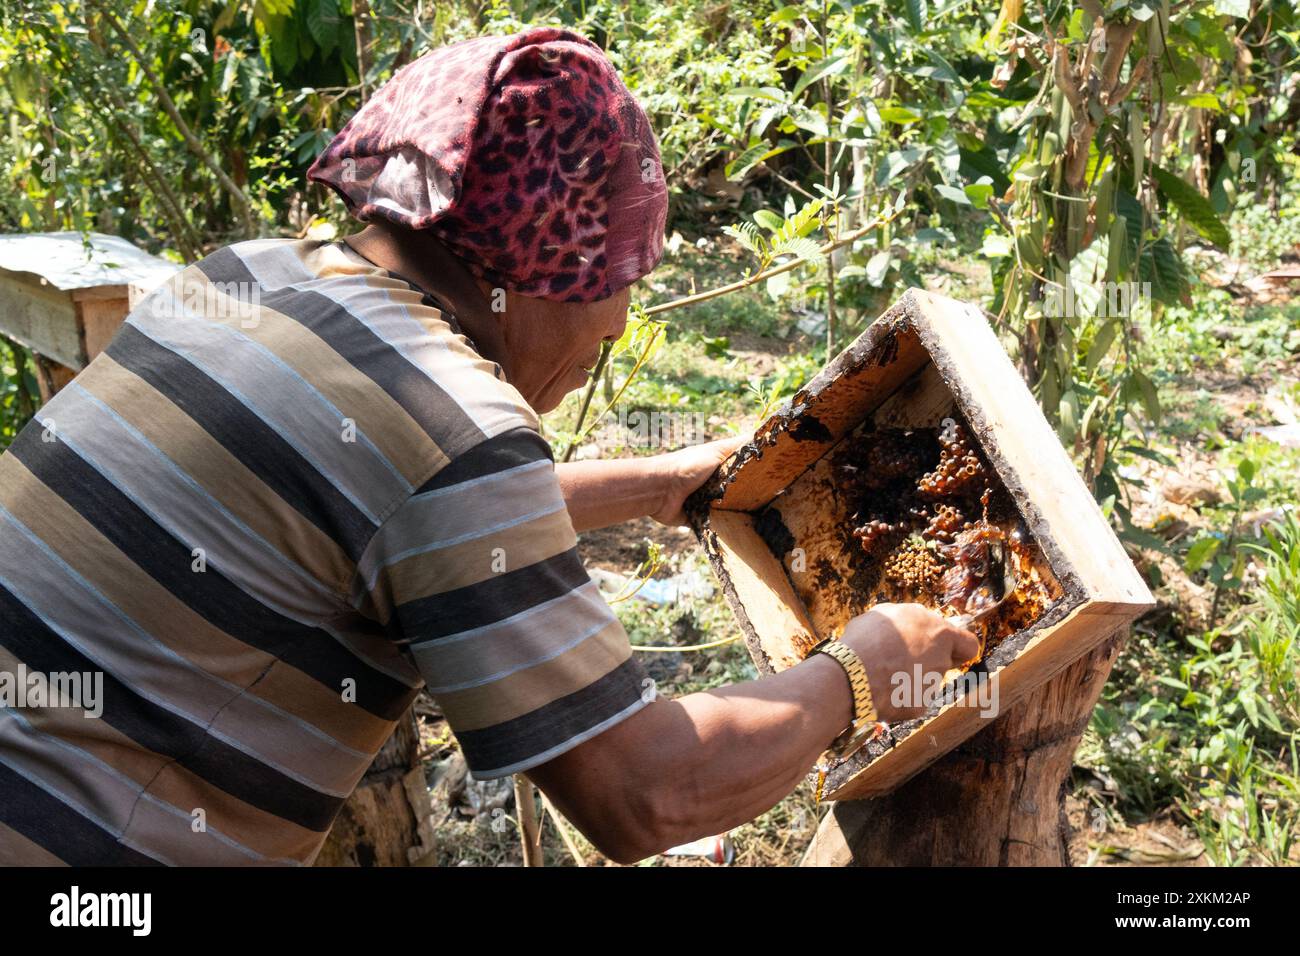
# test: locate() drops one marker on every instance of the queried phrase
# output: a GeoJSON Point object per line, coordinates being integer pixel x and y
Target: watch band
{"type": "Point", "coordinates": [864, 708]}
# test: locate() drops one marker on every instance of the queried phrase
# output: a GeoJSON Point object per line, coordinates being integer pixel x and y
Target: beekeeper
{"type": "Point", "coordinates": [306, 480]}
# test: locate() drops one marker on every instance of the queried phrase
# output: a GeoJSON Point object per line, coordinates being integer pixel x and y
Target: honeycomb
{"type": "Point", "coordinates": [932, 524]}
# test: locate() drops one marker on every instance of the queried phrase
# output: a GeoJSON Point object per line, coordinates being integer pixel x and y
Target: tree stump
{"type": "Point", "coordinates": [387, 820]}
{"type": "Point", "coordinates": [996, 800]}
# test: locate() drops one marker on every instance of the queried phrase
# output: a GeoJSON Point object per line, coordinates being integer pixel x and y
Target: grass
{"type": "Point", "coordinates": [1203, 722]}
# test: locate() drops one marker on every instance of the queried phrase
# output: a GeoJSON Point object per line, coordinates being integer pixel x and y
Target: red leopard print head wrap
{"type": "Point", "coordinates": [526, 155]}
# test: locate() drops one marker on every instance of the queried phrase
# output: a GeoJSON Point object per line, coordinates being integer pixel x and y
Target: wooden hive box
{"type": "Point", "coordinates": [778, 528]}
{"type": "Point", "coordinates": [64, 296]}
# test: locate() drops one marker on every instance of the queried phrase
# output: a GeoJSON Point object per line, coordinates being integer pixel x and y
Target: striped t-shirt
{"type": "Point", "coordinates": [287, 495]}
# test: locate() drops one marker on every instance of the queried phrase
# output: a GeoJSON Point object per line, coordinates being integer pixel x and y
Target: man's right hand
{"type": "Point", "coordinates": [682, 768]}
{"type": "Point", "coordinates": [893, 638]}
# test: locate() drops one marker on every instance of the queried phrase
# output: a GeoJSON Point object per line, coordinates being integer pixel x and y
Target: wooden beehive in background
{"type": "Point", "coordinates": [928, 358]}
{"type": "Point", "coordinates": [64, 297]}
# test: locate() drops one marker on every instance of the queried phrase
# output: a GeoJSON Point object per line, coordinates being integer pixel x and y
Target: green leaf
{"type": "Point", "coordinates": [323, 24]}
{"type": "Point", "coordinates": [1137, 141]}
{"type": "Point", "coordinates": [747, 235]}
{"type": "Point", "coordinates": [898, 114]}
{"type": "Point", "coordinates": [1195, 208]}
{"type": "Point", "coordinates": [878, 268]}
{"type": "Point", "coordinates": [1204, 101]}
{"type": "Point", "coordinates": [1248, 705]}
{"type": "Point", "coordinates": [936, 69]}
{"type": "Point", "coordinates": [787, 14]}
{"type": "Point", "coordinates": [798, 246]}
{"type": "Point", "coordinates": [947, 156]}
{"type": "Point", "coordinates": [1201, 551]}
{"type": "Point", "coordinates": [774, 93]}
{"type": "Point", "coordinates": [916, 14]}
{"type": "Point", "coordinates": [953, 194]}
{"type": "Point", "coordinates": [1101, 344]}
{"type": "Point", "coordinates": [1128, 209]}
{"type": "Point", "coordinates": [1161, 266]}
{"type": "Point", "coordinates": [1150, 453]}
{"type": "Point", "coordinates": [765, 118]}
{"type": "Point", "coordinates": [768, 220]}
{"type": "Point", "coordinates": [978, 193]}
{"type": "Point", "coordinates": [1147, 391]}
{"type": "Point", "coordinates": [898, 162]}
{"type": "Point", "coordinates": [746, 161]}
{"type": "Point", "coordinates": [1117, 253]}
{"type": "Point", "coordinates": [817, 71]}
{"type": "Point", "coordinates": [809, 120]}
{"type": "Point", "coordinates": [804, 221]}
{"type": "Point", "coordinates": [1068, 413]}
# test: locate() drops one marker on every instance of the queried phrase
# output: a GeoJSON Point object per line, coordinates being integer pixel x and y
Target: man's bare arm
{"type": "Point", "coordinates": [681, 769]}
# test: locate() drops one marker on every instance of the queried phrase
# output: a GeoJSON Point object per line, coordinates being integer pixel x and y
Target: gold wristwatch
{"type": "Point", "coordinates": [863, 724]}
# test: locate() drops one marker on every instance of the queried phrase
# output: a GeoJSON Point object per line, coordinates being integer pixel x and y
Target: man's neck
{"type": "Point", "coordinates": [420, 258]}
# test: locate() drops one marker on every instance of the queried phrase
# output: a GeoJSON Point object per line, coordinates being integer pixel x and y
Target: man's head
{"type": "Point", "coordinates": [529, 160]}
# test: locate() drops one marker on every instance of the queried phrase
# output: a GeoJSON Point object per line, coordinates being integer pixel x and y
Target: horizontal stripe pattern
{"type": "Point", "coordinates": [287, 495]}
{"type": "Point", "coordinates": [478, 575]}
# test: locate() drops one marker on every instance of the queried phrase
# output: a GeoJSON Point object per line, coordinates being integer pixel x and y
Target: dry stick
{"type": "Point", "coordinates": [641, 360]}
{"type": "Point", "coordinates": [828, 177]}
{"type": "Point", "coordinates": [680, 168]}
{"type": "Point", "coordinates": [823, 250]}
{"type": "Point", "coordinates": [562, 825]}
{"type": "Point", "coordinates": [793, 185]}
{"type": "Point", "coordinates": [361, 16]}
{"type": "Point", "coordinates": [530, 832]}
{"type": "Point", "coordinates": [189, 241]}
{"type": "Point", "coordinates": [676, 649]}
{"type": "Point", "coordinates": [830, 285]}
{"type": "Point", "coordinates": [169, 107]}
{"type": "Point", "coordinates": [599, 368]}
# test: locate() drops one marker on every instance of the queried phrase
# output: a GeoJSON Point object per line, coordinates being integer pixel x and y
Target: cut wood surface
{"type": "Point", "coordinates": [998, 799]}
{"type": "Point", "coordinates": [760, 593]}
{"type": "Point", "coordinates": [42, 318]}
{"type": "Point", "coordinates": [387, 819]}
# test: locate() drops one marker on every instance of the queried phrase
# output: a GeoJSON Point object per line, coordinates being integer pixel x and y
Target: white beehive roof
{"type": "Point", "coordinates": [71, 261]}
